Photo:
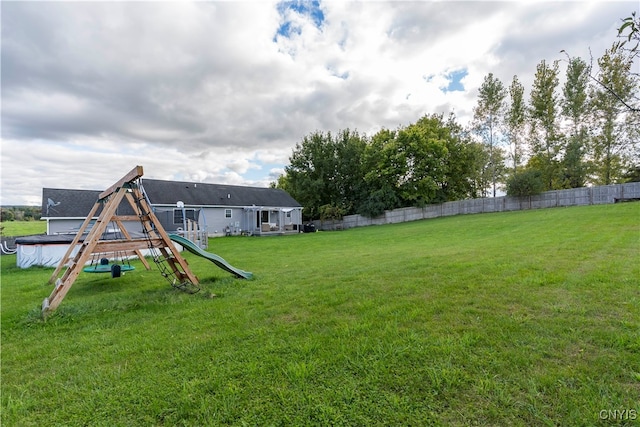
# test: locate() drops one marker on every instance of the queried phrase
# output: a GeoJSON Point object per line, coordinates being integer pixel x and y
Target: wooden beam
{"type": "Point", "coordinates": [157, 238]}
{"type": "Point", "coordinates": [72, 246]}
{"type": "Point", "coordinates": [133, 174]}
{"type": "Point", "coordinates": [126, 218]}
{"type": "Point", "coordinates": [128, 236]}
{"type": "Point", "coordinates": [178, 264]}
{"type": "Point", "coordinates": [63, 284]}
{"type": "Point", "coordinates": [127, 245]}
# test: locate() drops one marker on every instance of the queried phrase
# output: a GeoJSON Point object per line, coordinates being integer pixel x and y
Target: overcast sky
{"type": "Point", "coordinates": [221, 92]}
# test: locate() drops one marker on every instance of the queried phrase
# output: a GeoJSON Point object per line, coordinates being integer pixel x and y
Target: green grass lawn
{"type": "Point", "coordinates": [22, 228]}
{"type": "Point", "coordinates": [520, 318]}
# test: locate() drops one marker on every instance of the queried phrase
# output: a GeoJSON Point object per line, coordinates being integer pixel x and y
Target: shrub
{"type": "Point", "coordinates": [527, 183]}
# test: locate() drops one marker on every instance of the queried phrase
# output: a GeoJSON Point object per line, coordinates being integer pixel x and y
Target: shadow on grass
{"type": "Point", "coordinates": [123, 295]}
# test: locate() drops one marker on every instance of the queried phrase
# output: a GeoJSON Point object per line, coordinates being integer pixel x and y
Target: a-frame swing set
{"type": "Point", "coordinates": [171, 264]}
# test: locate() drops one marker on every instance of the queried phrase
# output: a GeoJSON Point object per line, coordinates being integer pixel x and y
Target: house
{"type": "Point", "coordinates": [217, 209]}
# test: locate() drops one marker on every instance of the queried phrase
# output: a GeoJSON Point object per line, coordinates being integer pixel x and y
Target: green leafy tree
{"type": "Point", "coordinates": [575, 110]}
{"type": "Point", "coordinates": [545, 140]}
{"type": "Point", "coordinates": [379, 190]}
{"type": "Point", "coordinates": [325, 170]}
{"type": "Point", "coordinates": [628, 46]}
{"type": "Point", "coordinates": [420, 151]}
{"type": "Point", "coordinates": [574, 168]}
{"type": "Point", "coordinates": [349, 179]}
{"type": "Point", "coordinates": [7, 215]}
{"type": "Point", "coordinates": [378, 175]}
{"type": "Point", "coordinates": [633, 174]}
{"type": "Point", "coordinates": [516, 118]}
{"type": "Point", "coordinates": [629, 33]}
{"type": "Point", "coordinates": [310, 173]}
{"type": "Point", "coordinates": [432, 160]}
{"type": "Point", "coordinates": [476, 174]}
{"type": "Point", "coordinates": [487, 117]}
{"type": "Point", "coordinates": [615, 143]}
{"type": "Point", "coordinates": [465, 165]}
{"type": "Point", "coordinates": [527, 183]}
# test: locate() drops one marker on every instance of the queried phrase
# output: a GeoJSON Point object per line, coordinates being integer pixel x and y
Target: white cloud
{"type": "Point", "coordinates": [201, 91]}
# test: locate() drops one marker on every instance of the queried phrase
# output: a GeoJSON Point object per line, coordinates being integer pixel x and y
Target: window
{"type": "Point", "coordinates": [227, 213]}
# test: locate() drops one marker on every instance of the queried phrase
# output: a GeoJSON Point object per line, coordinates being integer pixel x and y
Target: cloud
{"type": "Point", "coordinates": [222, 91]}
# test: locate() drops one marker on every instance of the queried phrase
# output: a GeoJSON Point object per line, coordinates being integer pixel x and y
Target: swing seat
{"type": "Point", "coordinates": [106, 268]}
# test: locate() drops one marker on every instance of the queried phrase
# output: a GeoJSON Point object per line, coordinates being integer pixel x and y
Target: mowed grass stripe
{"type": "Point", "coordinates": [518, 318]}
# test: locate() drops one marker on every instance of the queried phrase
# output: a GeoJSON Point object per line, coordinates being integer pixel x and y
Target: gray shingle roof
{"type": "Point", "coordinates": [78, 203]}
{"type": "Point", "coordinates": [67, 203]}
{"type": "Point", "coordinates": [199, 194]}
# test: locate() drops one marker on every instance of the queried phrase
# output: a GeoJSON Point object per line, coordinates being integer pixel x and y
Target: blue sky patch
{"type": "Point", "coordinates": [455, 83]}
{"type": "Point", "coordinates": [286, 29]}
{"type": "Point", "coordinates": [309, 9]}
{"type": "Point", "coordinates": [454, 79]}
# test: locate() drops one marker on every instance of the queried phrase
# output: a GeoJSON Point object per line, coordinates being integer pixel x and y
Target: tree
{"type": "Point", "coordinates": [465, 164]}
{"type": "Point", "coordinates": [349, 178]}
{"type": "Point", "coordinates": [515, 120]}
{"type": "Point", "coordinates": [615, 140]}
{"type": "Point", "coordinates": [610, 157]}
{"type": "Point", "coordinates": [633, 175]}
{"type": "Point", "coordinates": [575, 109]}
{"type": "Point", "coordinates": [405, 166]}
{"type": "Point", "coordinates": [379, 189]}
{"type": "Point", "coordinates": [575, 170]}
{"type": "Point", "coordinates": [310, 173]}
{"type": "Point", "coordinates": [628, 45]}
{"type": "Point", "coordinates": [629, 32]}
{"type": "Point", "coordinates": [430, 161]}
{"type": "Point", "coordinates": [7, 215]}
{"type": "Point", "coordinates": [325, 172]}
{"type": "Point", "coordinates": [331, 212]}
{"type": "Point", "coordinates": [487, 116]}
{"type": "Point", "coordinates": [477, 172]}
{"type": "Point", "coordinates": [545, 140]}
{"type": "Point", "coordinates": [419, 160]}
{"type": "Point", "coordinates": [526, 183]}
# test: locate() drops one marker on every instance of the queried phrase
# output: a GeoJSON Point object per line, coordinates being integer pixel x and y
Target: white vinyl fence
{"type": "Point", "coordinates": [550, 199]}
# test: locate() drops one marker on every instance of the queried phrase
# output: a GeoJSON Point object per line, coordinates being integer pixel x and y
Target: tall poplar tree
{"type": "Point", "coordinates": [545, 139]}
{"type": "Point", "coordinates": [487, 117]}
{"type": "Point", "coordinates": [575, 110]}
{"type": "Point", "coordinates": [516, 117]}
{"type": "Point", "coordinates": [615, 141]}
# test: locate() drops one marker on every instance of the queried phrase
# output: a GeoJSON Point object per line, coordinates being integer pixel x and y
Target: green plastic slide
{"type": "Point", "coordinates": [217, 260]}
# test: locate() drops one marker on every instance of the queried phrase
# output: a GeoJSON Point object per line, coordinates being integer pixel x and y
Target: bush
{"type": "Point", "coordinates": [377, 202]}
{"type": "Point", "coordinates": [7, 215]}
{"type": "Point", "coordinates": [331, 212]}
{"type": "Point", "coordinates": [527, 183]}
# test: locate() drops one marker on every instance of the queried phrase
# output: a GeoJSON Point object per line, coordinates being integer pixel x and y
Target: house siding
{"type": "Point", "coordinates": [206, 203]}
{"type": "Point", "coordinates": [63, 225]}
{"type": "Point", "coordinates": [57, 226]}
{"type": "Point", "coordinates": [216, 221]}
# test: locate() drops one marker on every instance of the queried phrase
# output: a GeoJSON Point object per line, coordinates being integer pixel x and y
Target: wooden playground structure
{"type": "Point", "coordinates": [166, 256]}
